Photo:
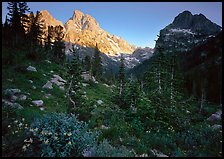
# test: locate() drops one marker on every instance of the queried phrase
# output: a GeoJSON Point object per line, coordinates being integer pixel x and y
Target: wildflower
{"type": "Point", "coordinates": [30, 140]}
{"type": "Point", "coordinates": [69, 143]}
{"type": "Point", "coordinates": [23, 119]}
{"type": "Point", "coordinates": [20, 124]}
{"type": "Point", "coordinates": [26, 125]}
{"type": "Point", "coordinates": [9, 126]}
{"type": "Point", "coordinates": [16, 121]}
{"type": "Point", "coordinates": [24, 148]}
{"type": "Point", "coordinates": [46, 142]}
{"type": "Point", "coordinates": [36, 129]}
{"type": "Point", "coordinates": [69, 134]}
{"type": "Point", "coordinates": [55, 137]}
{"type": "Point", "coordinates": [65, 133]}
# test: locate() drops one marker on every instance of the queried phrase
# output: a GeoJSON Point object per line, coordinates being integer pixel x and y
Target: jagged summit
{"type": "Point", "coordinates": [84, 30]}
{"type": "Point", "coordinates": [186, 31]}
{"type": "Point", "coordinates": [197, 22]}
{"type": "Point", "coordinates": [49, 19]}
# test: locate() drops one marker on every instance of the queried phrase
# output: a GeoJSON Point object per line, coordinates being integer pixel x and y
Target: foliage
{"type": "Point", "coordinates": [62, 135]}
{"type": "Point", "coordinates": [105, 149]}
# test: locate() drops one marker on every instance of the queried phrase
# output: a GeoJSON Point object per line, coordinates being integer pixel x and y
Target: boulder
{"type": "Point", "coordinates": [216, 126]}
{"type": "Point", "coordinates": [158, 154]}
{"type": "Point", "coordinates": [22, 97]}
{"type": "Point", "coordinates": [59, 78]}
{"type": "Point", "coordinates": [12, 91]}
{"type": "Point", "coordinates": [106, 85]}
{"type": "Point", "coordinates": [214, 117]}
{"type": "Point", "coordinates": [48, 85]}
{"type": "Point", "coordinates": [62, 88]}
{"type": "Point", "coordinates": [11, 105]}
{"type": "Point", "coordinates": [32, 69]}
{"type": "Point", "coordinates": [38, 103]}
{"type": "Point", "coordinates": [30, 81]}
{"type": "Point", "coordinates": [41, 108]}
{"type": "Point", "coordinates": [99, 101]}
{"type": "Point", "coordinates": [85, 84]}
{"type": "Point", "coordinates": [13, 98]}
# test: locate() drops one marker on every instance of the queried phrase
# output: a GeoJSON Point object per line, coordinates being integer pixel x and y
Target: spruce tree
{"type": "Point", "coordinates": [87, 63]}
{"type": "Point", "coordinates": [97, 64]}
{"type": "Point", "coordinates": [59, 46]}
{"type": "Point", "coordinates": [74, 93]}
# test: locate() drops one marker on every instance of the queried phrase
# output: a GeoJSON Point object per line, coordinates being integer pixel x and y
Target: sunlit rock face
{"type": "Point", "coordinates": [85, 31]}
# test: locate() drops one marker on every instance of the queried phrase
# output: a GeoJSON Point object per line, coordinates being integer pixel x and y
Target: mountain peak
{"type": "Point", "coordinates": [49, 19]}
{"type": "Point", "coordinates": [183, 20]}
{"type": "Point", "coordinates": [77, 15]}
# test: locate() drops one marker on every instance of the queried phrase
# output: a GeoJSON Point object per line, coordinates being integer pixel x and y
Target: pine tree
{"type": "Point", "coordinates": [17, 19]}
{"type": "Point", "coordinates": [35, 34]}
{"type": "Point", "coordinates": [6, 38]}
{"type": "Point", "coordinates": [97, 64]}
{"type": "Point", "coordinates": [121, 76]}
{"type": "Point", "coordinates": [75, 96]}
{"type": "Point", "coordinates": [14, 22]}
{"type": "Point", "coordinates": [59, 46]}
{"type": "Point", "coordinates": [87, 63]}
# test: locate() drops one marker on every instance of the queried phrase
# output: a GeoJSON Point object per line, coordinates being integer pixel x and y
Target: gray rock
{"type": "Point", "coordinates": [216, 116]}
{"type": "Point", "coordinates": [62, 88]}
{"type": "Point", "coordinates": [48, 61]}
{"type": "Point", "coordinates": [106, 85]}
{"type": "Point", "coordinates": [12, 91]}
{"type": "Point", "coordinates": [22, 97]}
{"type": "Point", "coordinates": [30, 81]}
{"type": "Point", "coordinates": [59, 78]}
{"type": "Point", "coordinates": [32, 69]}
{"type": "Point", "coordinates": [84, 84]}
{"type": "Point", "coordinates": [42, 108]}
{"type": "Point", "coordinates": [11, 105]}
{"type": "Point", "coordinates": [86, 76]}
{"type": "Point", "coordinates": [216, 126]}
{"type": "Point", "coordinates": [38, 103]}
{"type": "Point", "coordinates": [99, 101]}
{"type": "Point", "coordinates": [47, 96]}
{"type": "Point", "coordinates": [48, 85]}
{"type": "Point", "coordinates": [13, 98]}
{"type": "Point", "coordinates": [158, 154]}
{"type": "Point", "coordinates": [55, 81]}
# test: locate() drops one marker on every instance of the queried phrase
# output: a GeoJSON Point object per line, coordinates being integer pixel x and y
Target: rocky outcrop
{"type": "Point", "coordinates": [55, 80]}
{"type": "Point", "coordinates": [186, 32]}
{"type": "Point", "coordinates": [85, 31]}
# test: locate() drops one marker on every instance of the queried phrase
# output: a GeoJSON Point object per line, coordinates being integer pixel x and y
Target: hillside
{"type": "Point", "coordinates": [60, 104]}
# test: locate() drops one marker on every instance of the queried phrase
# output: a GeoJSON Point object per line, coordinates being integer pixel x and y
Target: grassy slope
{"type": "Point", "coordinates": [16, 76]}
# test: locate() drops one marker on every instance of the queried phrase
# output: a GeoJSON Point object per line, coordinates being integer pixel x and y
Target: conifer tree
{"type": "Point", "coordinates": [59, 46]}
{"type": "Point", "coordinates": [87, 63]}
{"type": "Point", "coordinates": [121, 76]}
{"type": "Point", "coordinates": [97, 64]}
{"type": "Point", "coordinates": [74, 93]}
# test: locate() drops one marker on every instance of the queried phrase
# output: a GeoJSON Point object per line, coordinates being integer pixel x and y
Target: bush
{"type": "Point", "coordinates": [62, 135]}
{"type": "Point", "coordinates": [105, 149]}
